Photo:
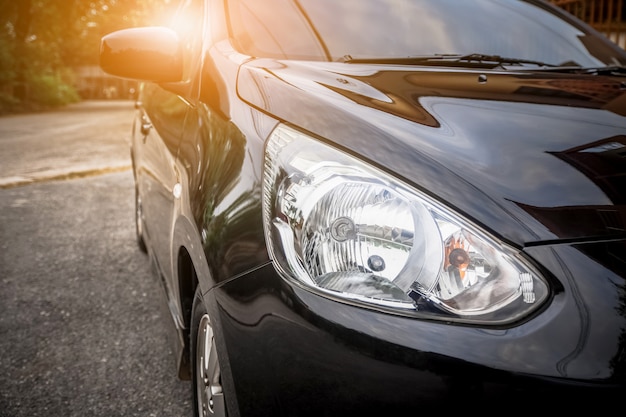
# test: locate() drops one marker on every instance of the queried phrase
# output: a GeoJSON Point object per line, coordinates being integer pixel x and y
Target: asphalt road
{"type": "Point", "coordinates": [81, 317]}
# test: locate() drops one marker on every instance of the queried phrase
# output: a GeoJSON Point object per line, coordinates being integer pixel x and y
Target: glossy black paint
{"type": "Point", "coordinates": [356, 362]}
{"type": "Point", "coordinates": [458, 137]}
{"type": "Point", "coordinates": [533, 157]}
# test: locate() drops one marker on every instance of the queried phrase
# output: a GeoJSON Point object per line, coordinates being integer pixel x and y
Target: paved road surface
{"type": "Point", "coordinates": [80, 313]}
{"type": "Point", "coordinates": [76, 140]}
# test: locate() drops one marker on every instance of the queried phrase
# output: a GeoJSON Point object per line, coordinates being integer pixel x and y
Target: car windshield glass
{"type": "Point", "coordinates": [331, 30]}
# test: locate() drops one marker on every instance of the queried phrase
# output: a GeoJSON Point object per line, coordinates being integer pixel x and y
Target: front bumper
{"type": "Point", "coordinates": [286, 351]}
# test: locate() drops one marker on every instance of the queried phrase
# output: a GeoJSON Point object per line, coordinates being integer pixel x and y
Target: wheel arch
{"type": "Point", "coordinates": [191, 272]}
{"type": "Point", "coordinates": [187, 283]}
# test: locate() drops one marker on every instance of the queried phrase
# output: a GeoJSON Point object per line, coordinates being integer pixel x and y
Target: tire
{"type": "Point", "coordinates": [209, 397]}
{"type": "Point", "coordinates": [139, 228]}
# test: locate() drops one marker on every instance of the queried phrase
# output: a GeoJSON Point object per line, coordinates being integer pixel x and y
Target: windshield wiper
{"type": "Point", "coordinates": [610, 70]}
{"type": "Point", "coordinates": [471, 60]}
{"type": "Point", "coordinates": [498, 60]}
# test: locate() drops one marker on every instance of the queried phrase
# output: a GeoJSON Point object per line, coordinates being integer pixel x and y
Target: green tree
{"type": "Point", "coordinates": [42, 41]}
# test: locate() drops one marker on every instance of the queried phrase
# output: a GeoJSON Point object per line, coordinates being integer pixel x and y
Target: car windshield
{"type": "Point", "coordinates": [332, 30]}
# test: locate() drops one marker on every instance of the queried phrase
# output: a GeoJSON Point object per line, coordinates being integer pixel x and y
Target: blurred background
{"type": "Point", "coordinates": [49, 48]}
{"type": "Point", "coordinates": [606, 16]}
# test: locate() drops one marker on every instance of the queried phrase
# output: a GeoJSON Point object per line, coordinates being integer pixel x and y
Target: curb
{"type": "Point", "coordinates": [21, 180]}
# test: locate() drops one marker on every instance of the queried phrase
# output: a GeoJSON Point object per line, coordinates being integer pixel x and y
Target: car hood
{"type": "Point", "coordinates": [534, 157]}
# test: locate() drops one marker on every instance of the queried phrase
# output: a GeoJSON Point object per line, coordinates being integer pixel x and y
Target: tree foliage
{"type": "Point", "coordinates": [43, 41]}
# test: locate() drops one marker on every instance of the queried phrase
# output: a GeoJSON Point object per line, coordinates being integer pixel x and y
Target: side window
{"type": "Point", "coordinates": [274, 29]}
{"type": "Point", "coordinates": [188, 23]}
{"type": "Point", "coordinates": [217, 22]}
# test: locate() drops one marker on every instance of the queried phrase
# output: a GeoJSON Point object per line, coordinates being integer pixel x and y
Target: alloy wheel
{"type": "Point", "coordinates": [139, 222]}
{"type": "Point", "coordinates": [209, 393]}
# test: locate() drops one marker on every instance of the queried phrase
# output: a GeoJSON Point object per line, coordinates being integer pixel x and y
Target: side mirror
{"type": "Point", "coordinates": [147, 54]}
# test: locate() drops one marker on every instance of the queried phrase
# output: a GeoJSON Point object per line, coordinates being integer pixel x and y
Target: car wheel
{"type": "Point", "coordinates": [139, 222]}
{"type": "Point", "coordinates": [208, 392]}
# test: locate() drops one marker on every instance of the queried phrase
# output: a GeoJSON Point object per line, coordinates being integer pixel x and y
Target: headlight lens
{"type": "Point", "coordinates": [343, 228]}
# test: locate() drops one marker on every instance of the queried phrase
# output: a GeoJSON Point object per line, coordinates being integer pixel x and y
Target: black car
{"type": "Point", "coordinates": [384, 207]}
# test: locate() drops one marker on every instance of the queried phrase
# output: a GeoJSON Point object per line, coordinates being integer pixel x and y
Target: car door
{"type": "Point", "coordinates": [158, 128]}
{"type": "Point", "coordinates": [162, 111]}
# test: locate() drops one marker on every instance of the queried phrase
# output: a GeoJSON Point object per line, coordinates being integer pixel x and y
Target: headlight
{"type": "Point", "coordinates": [347, 230]}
